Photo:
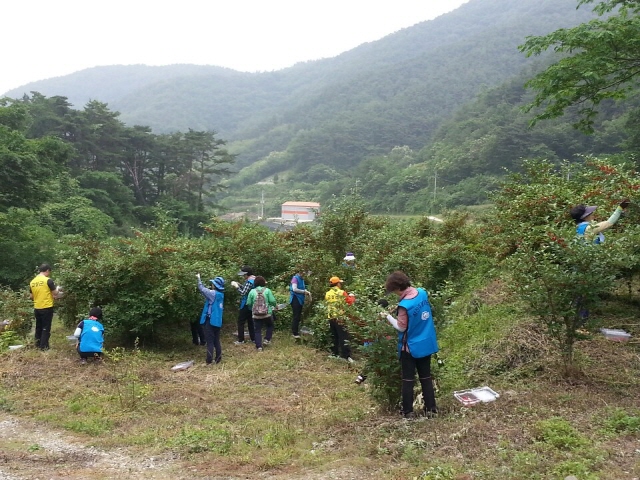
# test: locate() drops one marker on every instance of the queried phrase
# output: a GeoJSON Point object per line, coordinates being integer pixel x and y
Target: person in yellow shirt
{"type": "Point", "coordinates": [336, 301]}
{"type": "Point", "coordinates": [43, 290]}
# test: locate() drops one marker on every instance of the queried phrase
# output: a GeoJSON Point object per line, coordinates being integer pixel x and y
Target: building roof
{"type": "Point", "coordinates": [301, 204]}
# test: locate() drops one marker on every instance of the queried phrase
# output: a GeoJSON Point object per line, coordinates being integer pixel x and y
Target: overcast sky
{"type": "Point", "coordinates": [43, 38]}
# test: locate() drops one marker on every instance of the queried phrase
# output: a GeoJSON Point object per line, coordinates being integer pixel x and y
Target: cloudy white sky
{"type": "Point", "coordinates": [44, 38]}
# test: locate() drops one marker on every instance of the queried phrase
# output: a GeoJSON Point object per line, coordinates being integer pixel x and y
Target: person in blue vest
{"type": "Point", "coordinates": [416, 341]}
{"type": "Point", "coordinates": [588, 228]}
{"type": "Point", "coordinates": [244, 314]}
{"type": "Point", "coordinates": [211, 316]}
{"type": "Point", "coordinates": [297, 294]}
{"type": "Point", "coordinates": [90, 335]}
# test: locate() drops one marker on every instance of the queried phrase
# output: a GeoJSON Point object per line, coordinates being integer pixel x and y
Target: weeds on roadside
{"type": "Point", "coordinates": [125, 369]}
{"type": "Point", "coordinates": [8, 337]}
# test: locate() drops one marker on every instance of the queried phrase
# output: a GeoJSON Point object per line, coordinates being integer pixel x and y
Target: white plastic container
{"type": "Point", "coordinates": [15, 347]}
{"type": "Point", "coordinates": [182, 366]}
{"type": "Point", "coordinates": [474, 396]}
{"type": "Point", "coordinates": [72, 338]}
{"type": "Point", "coordinates": [615, 335]}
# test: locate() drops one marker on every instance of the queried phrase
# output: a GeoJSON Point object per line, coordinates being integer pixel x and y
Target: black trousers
{"type": "Point", "coordinates": [340, 339]}
{"type": "Point", "coordinates": [245, 316]}
{"type": "Point", "coordinates": [212, 336]}
{"type": "Point", "coordinates": [258, 324]}
{"type": "Point", "coordinates": [197, 333]}
{"type": "Point", "coordinates": [296, 306]}
{"type": "Point", "coordinates": [44, 317]}
{"type": "Point", "coordinates": [409, 365]}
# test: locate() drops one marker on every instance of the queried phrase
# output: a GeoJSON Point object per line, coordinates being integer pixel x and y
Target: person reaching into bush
{"type": "Point", "coordinates": [362, 376]}
{"type": "Point", "coordinates": [261, 301]}
{"type": "Point", "coordinates": [297, 295]}
{"type": "Point", "coordinates": [244, 314]}
{"type": "Point", "coordinates": [90, 335]}
{"type": "Point", "coordinates": [416, 340]}
{"type": "Point", "coordinates": [587, 228]}
{"type": "Point", "coordinates": [43, 291]}
{"type": "Point", "coordinates": [211, 316]}
{"type": "Point", "coordinates": [336, 299]}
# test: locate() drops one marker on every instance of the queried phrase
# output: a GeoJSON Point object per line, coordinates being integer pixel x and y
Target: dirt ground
{"type": "Point", "coordinates": [32, 452]}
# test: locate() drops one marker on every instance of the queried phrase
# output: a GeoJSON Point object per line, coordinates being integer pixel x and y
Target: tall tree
{"type": "Point", "coordinates": [208, 160]}
{"type": "Point", "coordinates": [601, 60]}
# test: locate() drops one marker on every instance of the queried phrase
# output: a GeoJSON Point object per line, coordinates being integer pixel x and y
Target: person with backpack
{"type": "Point", "coordinates": [211, 316]}
{"type": "Point", "coordinates": [90, 335]}
{"type": "Point", "coordinates": [261, 301]}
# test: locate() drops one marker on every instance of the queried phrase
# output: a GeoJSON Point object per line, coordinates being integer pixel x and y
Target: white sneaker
{"type": "Point", "coordinates": [297, 336]}
{"type": "Point", "coordinates": [259, 349]}
{"type": "Point", "coordinates": [237, 342]}
{"type": "Point", "coordinates": [266, 342]}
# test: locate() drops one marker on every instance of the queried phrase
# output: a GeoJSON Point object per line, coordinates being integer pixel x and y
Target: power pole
{"type": "Point", "coordinates": [262, 206]}
{"type": "Point", "coordinates": [357, 182]}
{"type": "Point", "coordinates": [435, 184]}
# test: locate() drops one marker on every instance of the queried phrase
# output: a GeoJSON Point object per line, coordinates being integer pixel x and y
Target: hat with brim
{"type": "Point", "coordinates": [588, 211]}
{"type": "Point", "coordinates": [349, 257]}
{"type": "Point", "coordinates": [334, 280]}
{"type": "Point", "coordinates": [245, 270]}
{"type": "Point", "coordinates": [218, 283]}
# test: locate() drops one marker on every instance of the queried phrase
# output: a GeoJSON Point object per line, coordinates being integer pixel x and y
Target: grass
{"type": "Point", "coordinates": [292, 412]}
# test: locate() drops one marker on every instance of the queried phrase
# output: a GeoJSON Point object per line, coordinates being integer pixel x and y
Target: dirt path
{"type": "Point", "coordinates": [29, 451]}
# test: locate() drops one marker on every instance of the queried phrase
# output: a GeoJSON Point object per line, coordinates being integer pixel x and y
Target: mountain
{"type": "Point", "coordinates": [395, 91]}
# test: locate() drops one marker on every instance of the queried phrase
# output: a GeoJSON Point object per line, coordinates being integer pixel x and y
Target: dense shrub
{"type": "Point", "coordinates": [16, 307]}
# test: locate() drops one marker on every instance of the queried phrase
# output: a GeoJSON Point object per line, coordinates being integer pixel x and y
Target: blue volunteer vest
{"type": "Point", "coordinates": [582, 228]}
{"type": "Point", "coordinates": [301, 286]}
{"type": "Point", "coordinates": [243, 302]}
{"type": "Point", "coordinates": [91, 337]}
{"type": "Point", "coordinates": [214, 310]}
{"type": "Point", "coordinates": [421, 332]}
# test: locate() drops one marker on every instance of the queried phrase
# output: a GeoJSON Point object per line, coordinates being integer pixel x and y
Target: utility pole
{"type": "Point", "coordinates": [435, 184]}
{"type": "Point", "coordinates": [357, 182]}
{"type": "Point", "coordinates": [262, 206]}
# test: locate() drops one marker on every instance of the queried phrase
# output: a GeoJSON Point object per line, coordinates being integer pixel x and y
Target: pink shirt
{"type": "Point", "coordinates": [403, 318]}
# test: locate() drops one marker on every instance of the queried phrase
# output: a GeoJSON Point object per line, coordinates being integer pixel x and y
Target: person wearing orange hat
{"type": "Point", "coordinates": [336, 301]}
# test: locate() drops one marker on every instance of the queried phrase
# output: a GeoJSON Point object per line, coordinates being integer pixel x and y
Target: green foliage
{"type": "Point", "coordinates": [437, 473]}
{"type": "Point", "coordinates": [559, 434]}
{"type": "Point", "coordinates": [130, 391]}
{"type": "Point", "coordinates": [621, 422]}
{"type": "Point", "coordinates": [599, 62]}
{"type": "Point", "coordinates": [16, 307]}
{"type": "Point", "coordinates": [8, 338]}
{"type": "Point", "coordinates": [210, 437]}
{"type": "Point", "coordinates": [557, 275]}
{"type": "Point", "coordinates": [24, 243]}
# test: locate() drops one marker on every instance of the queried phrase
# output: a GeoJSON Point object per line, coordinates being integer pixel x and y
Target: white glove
{"type": "Point", "coordinates": [234, 284]}
{"type": "Point", "coordinates": [198, 275]}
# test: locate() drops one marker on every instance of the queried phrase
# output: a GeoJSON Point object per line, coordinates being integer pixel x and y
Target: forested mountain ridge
{"type": "Point", "coordinates": [312, 122]}
{"type": "Point", "coordinates": [441, 62]}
